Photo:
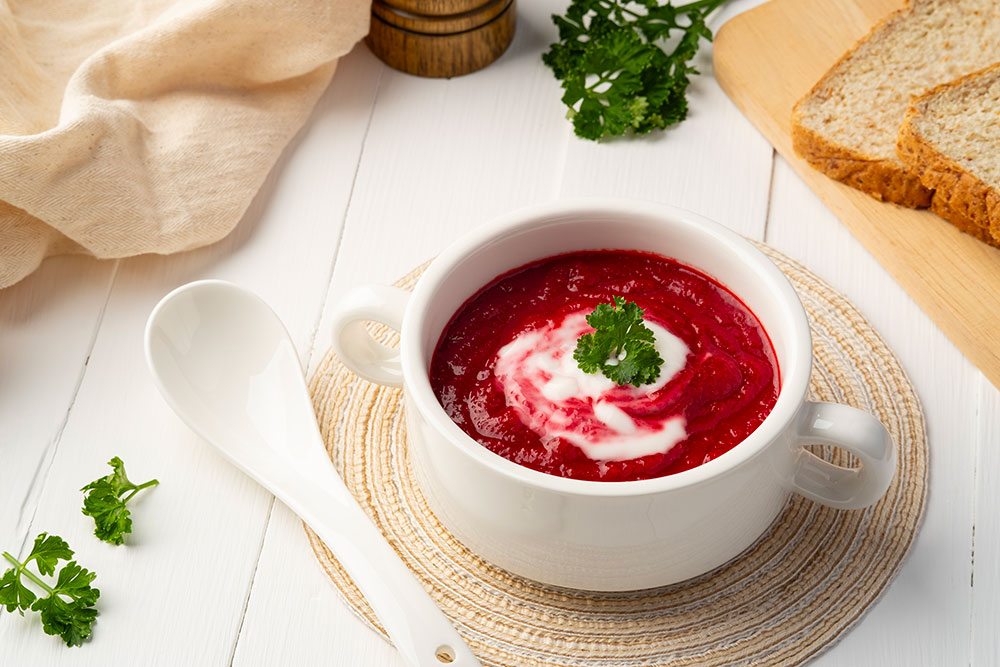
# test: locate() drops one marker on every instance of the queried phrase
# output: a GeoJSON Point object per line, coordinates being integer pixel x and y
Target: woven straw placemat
{"type": "Point", "coordinates": [808, 579]}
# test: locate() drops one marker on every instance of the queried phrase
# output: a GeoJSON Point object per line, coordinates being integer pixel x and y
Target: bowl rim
{"type": "Point", "coordinates": [796, 367]}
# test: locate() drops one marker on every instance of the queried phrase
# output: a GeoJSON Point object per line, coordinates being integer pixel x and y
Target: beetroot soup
{"type": "Point", "coordinates": [504, 369]}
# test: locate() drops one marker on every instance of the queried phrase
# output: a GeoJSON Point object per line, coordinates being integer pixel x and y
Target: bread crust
{"type": "Point", "coordinates": [884, 180]}
{"type": "Point", "coordinates": [959, 196]}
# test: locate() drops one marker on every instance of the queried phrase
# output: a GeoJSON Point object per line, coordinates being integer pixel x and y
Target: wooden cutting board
{"type": "Point", "coordinates": [768, 58]}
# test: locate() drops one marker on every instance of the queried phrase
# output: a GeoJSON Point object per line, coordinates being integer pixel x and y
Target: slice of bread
{"type": "Point", "coordinates": [846, 126]}
{"type": "Point", "coordinates": [950, 138]}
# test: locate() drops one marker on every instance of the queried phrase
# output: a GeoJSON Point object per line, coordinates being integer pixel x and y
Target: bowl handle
{"type": "Point", "coordinates": [860, 434]}
{"type": "Point", "coordinates": [355, 346]}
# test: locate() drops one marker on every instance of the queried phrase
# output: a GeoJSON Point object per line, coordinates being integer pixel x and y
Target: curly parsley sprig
{"type": "Point", "coordinates": [621, 347]}
{"type": "Point", "coordinates": [105, 503]}
{"type": "Point", "coordinates": [68, 608]}
{"type": "Point", "coordinates": [619, 68]}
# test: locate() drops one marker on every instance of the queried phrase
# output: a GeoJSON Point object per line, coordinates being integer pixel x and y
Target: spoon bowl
{"type": "Point", "coordinates": [225, 363]}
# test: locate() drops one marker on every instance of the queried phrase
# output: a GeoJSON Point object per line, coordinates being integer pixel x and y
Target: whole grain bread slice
{"type": "Point", "coordinates": [950, 138]}
{"type": "Point", "coordinates": [846, 126]}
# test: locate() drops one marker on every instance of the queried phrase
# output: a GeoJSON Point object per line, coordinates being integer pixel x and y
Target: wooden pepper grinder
{"type": "Point", "coordinates": [441, 38]}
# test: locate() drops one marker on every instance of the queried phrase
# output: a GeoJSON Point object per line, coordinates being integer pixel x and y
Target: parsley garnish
{"type": "Point", "coordinates": [105, 504]}
{"type": "Point", "coordinates": [68, 609]}
{"type": "Point", "coordinates": [621, 346]}
{"type": "Point", "coordinates": [615, 66]}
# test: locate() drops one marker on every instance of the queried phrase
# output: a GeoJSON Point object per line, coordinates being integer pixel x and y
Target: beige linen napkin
{"type": "Point", "coordinates": [136, 126]}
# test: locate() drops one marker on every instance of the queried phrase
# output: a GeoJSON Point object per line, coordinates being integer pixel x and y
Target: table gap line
{"type": "Point", "coordinates": [770, 197]}
{"type": "Point", "coordinates": [37, 487]}
{"type": "Point", "coordinates": [980, 437]}
{"type": "Point", "coordinates": [340, 236]}
{"type": "Point", "coordinates": [253, 580]}
{"type": "Point", "coordinates": [311, 347]}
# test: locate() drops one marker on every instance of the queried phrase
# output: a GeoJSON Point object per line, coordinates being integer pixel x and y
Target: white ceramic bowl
{"type": "Point", "coordinates": [612, 535]}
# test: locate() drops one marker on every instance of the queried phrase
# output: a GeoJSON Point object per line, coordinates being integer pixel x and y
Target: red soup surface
{"type": "Point", "coordinates": [504, 370]}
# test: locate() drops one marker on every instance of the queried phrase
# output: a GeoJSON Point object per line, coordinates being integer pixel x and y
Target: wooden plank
{"type": "Point", "coordinates": [47, 326]}
{"type": "Point", "coordinates": [923, 618]}
{"type": "Point", "coordinates": [985, 581]}
{"type": "Point", "coordinates": [294, 615]}
{"type": "Point", "coordinates": [713, 163]}
{"type": "Point", "coordinates": [175, 595]}
{"type": "Point", "coordinates": [769, 57]}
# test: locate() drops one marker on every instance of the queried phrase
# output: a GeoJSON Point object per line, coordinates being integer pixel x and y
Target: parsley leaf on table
{"type": "Point", "coordinates": [617, 68]}
{"type": "Point", "coordinates": [104, 502]}
{"type": "Point", "coordinates": [68, 610]}
{"type": "Point", "coordinates": [621, 347]}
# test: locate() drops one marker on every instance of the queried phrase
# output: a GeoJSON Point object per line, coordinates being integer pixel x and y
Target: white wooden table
{"type": "Point", "coordinates": [389, 169]}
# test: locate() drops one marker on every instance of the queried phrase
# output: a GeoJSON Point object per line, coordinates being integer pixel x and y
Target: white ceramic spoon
{"type": "Point", "coordinates": [226, 365]}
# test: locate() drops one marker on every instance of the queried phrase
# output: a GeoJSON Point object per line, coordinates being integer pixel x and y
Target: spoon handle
{"type": "Point", "coordinates": [420, 631]}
